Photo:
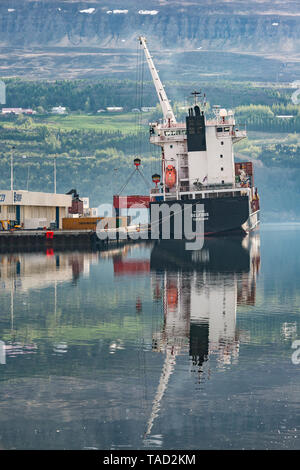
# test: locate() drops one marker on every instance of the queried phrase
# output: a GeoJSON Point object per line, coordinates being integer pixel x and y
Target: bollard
{"type": "Point", "coordinates": [49, 235]}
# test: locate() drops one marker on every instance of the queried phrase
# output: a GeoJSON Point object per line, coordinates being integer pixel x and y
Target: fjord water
{"type": "Point", "coordinates": [153, 347]}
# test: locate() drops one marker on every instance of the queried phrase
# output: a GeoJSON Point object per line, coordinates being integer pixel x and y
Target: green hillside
{"type": "Point", "coordinates": [95, 151]}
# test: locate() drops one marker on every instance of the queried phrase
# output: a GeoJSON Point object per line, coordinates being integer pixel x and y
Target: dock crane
{"type": "Point", "coordinates": [167, 110]}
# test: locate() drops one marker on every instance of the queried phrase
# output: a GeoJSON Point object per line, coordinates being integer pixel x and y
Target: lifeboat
{"type": "Point", "coordinates": [170, 176]}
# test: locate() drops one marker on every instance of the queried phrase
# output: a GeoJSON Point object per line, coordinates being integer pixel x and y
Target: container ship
{"type": "Point", "coordinates": [198, 167]}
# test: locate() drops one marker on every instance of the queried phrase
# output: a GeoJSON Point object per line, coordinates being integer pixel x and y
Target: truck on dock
{"type": "Point", "coordinates": [9, 225]}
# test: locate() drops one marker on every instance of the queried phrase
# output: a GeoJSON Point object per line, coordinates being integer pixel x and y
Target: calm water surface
{"type": "Point", "coordinates": [153, 347]}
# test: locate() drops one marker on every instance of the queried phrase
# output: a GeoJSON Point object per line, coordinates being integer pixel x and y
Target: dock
{"type": "Point", "coordinates": [28, 240]}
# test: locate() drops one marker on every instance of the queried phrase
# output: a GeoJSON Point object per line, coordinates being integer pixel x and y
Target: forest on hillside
{"type": "Point", "coordinates": [92, 95]}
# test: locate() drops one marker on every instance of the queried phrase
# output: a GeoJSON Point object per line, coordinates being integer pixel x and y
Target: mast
{"type": "Point", "coordinates": [167, 110]}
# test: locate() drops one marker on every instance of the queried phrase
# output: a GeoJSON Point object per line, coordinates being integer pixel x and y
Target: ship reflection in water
{"type": "Point", "coordinates": [199, 292]}
{"type": "Point", "coordinates": [147, 345]}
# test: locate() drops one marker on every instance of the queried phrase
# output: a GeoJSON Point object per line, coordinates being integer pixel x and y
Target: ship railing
{"type": "Point", "coordinates": [159, 139]}
{"type": "Point", "coordinates": [220, 122]}
{"type": "Point", "coordinates": [238, 133]}
{"type": "Point", "coordinates": [177, 124]}
{"type": "Point", "coordinates": [205, 194]}
{"type": "Point", "coordinates": [170, 196]}
{"type": "Point", "coordinates": [218, 186]}
{"type": "Point", "coordinates": [221, 193]}
{"type": "Point", "coordinates": [162, 137]}
{"type": "Point", "coordinates": [205, 187]}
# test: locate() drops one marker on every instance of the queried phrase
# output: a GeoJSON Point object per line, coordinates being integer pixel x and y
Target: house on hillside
{"type": "Point", "coordinates": [17, 111]}
{"type": "Point", "coordinates": [114, 109]}
{"type": "Point", "coordinates": [147, 109]}
{"type": "Point", "coordinates": [58, 110]}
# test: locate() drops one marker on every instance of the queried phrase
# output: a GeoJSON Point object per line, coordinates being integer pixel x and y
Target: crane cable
{"type": "Point", "coordinates": [141, 101]}
{"type": "Point", "coordinates": [136, 114]}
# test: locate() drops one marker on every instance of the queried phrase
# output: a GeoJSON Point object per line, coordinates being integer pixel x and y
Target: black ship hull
{"type": "Point", "coordinates": [218, 215]}
{"type": "Point", "coordinates": [219, 255]}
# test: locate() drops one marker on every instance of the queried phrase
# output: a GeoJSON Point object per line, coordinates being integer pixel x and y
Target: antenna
{"type": "Point", "coordinates": [195, 94]}
{"type": "Point", "coordinates": [202, 98]}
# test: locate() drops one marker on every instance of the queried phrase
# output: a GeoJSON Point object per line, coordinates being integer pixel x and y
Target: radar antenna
{"type": "Point", "coordinates": [202, 98]}
{"type": "Point", "coordinates": [195, 95]}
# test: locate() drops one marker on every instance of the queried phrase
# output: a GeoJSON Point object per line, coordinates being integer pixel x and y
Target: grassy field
{"type": "Point", "coordinates": [271, 137]}
{"type": "Point", "coordinates": [123, 122]}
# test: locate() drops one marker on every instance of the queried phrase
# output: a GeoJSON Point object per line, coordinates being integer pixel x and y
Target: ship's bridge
{"type": "Point", "coordinates": [224, 123]}
{"type": "Point", "coordinates": [226, 128]}
{"type": "Point", "coordinates": [161, 133]}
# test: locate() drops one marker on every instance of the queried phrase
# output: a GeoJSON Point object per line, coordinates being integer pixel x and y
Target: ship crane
{"type": "Point", "coordinates": [167, 110]}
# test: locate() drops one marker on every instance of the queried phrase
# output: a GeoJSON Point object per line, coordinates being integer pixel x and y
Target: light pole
{"type": "Point", "coordinates": [12, 169]}
{"type": "Point", "coordinates": [24, 158]}
{"type": "Point", "coordinates": [55, 175]}
{"type": "Point", "coordinates": [28, 169]}
{"type": "Point", "coordinates": [54, 168]}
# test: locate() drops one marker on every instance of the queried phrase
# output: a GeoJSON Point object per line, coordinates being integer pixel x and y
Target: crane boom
{"type": "Point", "coordinates": [162, 96]}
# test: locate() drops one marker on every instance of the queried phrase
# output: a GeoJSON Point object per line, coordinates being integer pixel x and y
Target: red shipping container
{"type": "Point", "coordinates": [125, 202]}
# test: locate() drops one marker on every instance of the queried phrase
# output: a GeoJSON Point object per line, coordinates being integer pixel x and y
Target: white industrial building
{"type": "Point", "coordinates": [33, 209]}
{"type": "Point", "coordinates": [59, 110]}
{"type": "Point", "coordinates": [114, 109]}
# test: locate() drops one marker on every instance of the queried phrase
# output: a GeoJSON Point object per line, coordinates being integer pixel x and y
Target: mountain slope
{"type": "Point", "coordinates": [229, 25]}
